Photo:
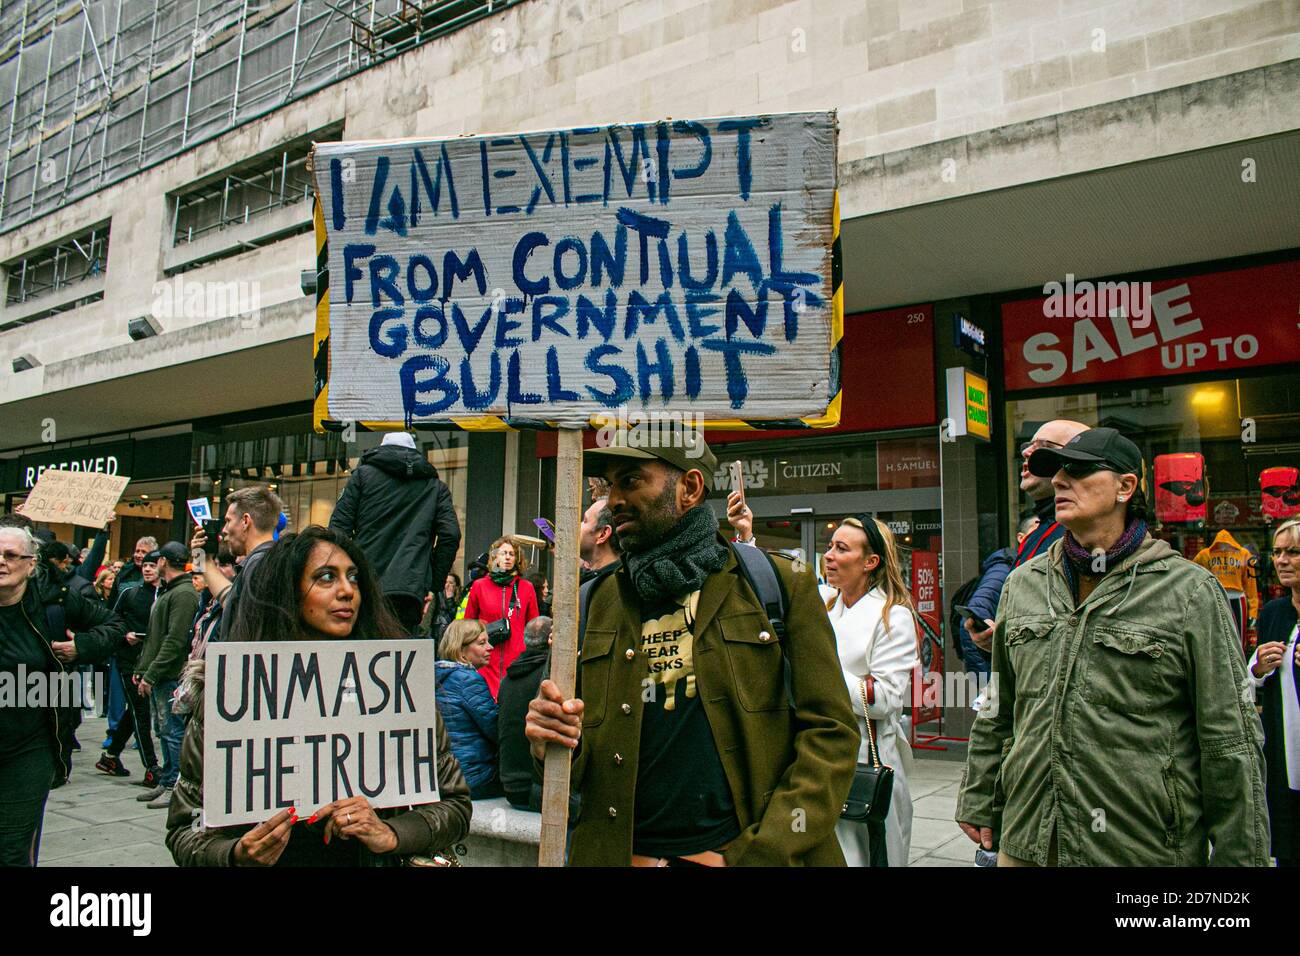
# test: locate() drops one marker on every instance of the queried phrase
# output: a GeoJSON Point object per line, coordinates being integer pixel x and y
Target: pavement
{"type": "Point", "coordinates": [95, 820]}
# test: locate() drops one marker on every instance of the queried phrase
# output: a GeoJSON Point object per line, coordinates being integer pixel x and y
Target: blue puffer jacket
{"type": "Point", "coordinates": [993, 574]}
{"type": "Point", "coordinates": [470, 714]}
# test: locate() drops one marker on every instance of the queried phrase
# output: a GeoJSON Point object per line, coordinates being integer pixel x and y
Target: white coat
{"type": "Point", "coordinates": [867, 647]}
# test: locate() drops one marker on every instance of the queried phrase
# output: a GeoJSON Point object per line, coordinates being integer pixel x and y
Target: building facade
{"type": "Point", "coordinates": [153, 271]}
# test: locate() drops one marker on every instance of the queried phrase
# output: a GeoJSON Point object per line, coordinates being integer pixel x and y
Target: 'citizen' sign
{"type": "Point", "coordinates": [111, 458]}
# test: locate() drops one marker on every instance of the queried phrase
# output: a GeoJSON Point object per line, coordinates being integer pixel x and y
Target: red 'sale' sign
{"type": "Point", "coordinates": [1083, 332]}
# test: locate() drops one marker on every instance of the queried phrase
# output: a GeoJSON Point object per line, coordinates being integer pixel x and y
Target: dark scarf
{"type": "Point", "coordinates": [1079, 560]}
{"type": "Point", "coordinates": [501, 578]}
{"type": "Point", "coordinates": [680, 563]}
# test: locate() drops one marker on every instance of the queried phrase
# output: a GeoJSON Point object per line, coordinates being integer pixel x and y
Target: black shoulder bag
{"type": "Point", "coordinates": [498, 632]}
{"type": "Point", "coordinates": [871, 791]}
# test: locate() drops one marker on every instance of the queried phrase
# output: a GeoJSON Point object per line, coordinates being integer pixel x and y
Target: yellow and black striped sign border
{"type": "Point", "coordinates": [495, 423]}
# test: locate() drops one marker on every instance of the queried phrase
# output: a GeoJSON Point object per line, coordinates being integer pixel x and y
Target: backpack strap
{"type": "Point", "coordinates": [584, 602]}
{"type": "Point", "coordinates": [759, 570]}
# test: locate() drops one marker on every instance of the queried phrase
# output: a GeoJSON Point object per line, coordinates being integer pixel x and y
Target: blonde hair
{"type": "Point", "coordinates": [1291, 525]}
{"type": "Point", "coordinates": [458, 636]}
{"type": "Point", "coordinates": [521, 563]}
{"type": "Point", "coordinates": [103, 574]}
{"type": "Point", "coordinates": [888, 574]}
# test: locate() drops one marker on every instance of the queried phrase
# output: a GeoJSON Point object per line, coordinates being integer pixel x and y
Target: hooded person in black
{"type": "Point", "coordinates": [400, 512]}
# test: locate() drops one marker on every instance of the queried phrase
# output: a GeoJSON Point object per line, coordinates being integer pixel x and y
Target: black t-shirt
{"type": "Point", "coordinates": [683, 803]}
{"type": "Point", "coordinates": [21, 728]}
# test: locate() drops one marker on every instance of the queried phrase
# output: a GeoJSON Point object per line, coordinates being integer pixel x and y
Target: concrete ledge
{"type": "Point", "coordinates": [500, 835]}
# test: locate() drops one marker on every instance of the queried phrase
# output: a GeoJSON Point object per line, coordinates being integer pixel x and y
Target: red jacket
{"type": "Point", "coordinates": [485, 604]}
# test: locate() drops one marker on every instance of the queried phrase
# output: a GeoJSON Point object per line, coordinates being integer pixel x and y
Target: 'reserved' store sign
{"type": "Point", "coordinates": [1084, 332]}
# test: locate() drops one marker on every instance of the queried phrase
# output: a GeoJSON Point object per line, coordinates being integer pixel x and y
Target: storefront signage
{"type": "Point", "coordinates": [1206, 323]}
{"type": "Point", "coordinates": [968, 405]}
{"type": "Point", "coordinates": [566, 276]}
{"type": "Point", "coordinates": [968, 336]}
{"type": "Point", "coordinates": [110, 458]}
{"type": "Point", "coordinates": [907, 463]}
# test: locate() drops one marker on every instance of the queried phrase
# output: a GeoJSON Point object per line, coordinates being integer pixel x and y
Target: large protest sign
{"type": "Point", "coordinates": [303, 723]}
{"type": "Point", "coordinates": [565, 277]}
{"type": "Point", "coordinates": [86, 498]}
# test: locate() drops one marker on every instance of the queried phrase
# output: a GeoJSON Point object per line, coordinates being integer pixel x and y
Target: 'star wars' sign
{"type": "Point", "coordinates": [559, 276]}
{"type": "Point", "coordinates": [1205, 323]}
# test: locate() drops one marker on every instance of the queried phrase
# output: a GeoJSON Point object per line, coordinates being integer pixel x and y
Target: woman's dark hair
{"type": "Point", "coordinates": [269, 609]}
{"type": "Point", "coordinates": [53, 551]}
{"type": "Point", "coordinates": [538, 581]}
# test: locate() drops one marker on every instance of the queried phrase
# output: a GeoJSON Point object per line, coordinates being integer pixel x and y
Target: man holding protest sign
{"type": "Point", "coordinates": [686, 748]}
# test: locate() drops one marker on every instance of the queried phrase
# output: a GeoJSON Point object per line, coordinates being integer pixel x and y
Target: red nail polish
{"type": "Point", "coordinates": [312, 818]}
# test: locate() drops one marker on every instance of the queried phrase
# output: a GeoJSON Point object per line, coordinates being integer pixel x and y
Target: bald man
{"type": "Point", "coordinates": [1053, 434]}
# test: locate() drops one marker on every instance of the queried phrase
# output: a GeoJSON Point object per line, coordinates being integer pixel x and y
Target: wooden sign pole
{"type": "Point", "coordinates": [564, 638]}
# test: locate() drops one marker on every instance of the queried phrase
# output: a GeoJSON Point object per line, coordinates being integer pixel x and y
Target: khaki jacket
{"type": "Point", "coordinates": [788, 773]}
{"type": "Point", "coordinates": [420, 830]}
{"type": "Point", "coordinates": [1122, 728]}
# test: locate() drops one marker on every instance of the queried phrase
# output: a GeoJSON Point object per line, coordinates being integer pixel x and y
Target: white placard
{"type": "Point", "coordinates": [303, 723]}
{"type": "Point", "coordinates": [565, 276]}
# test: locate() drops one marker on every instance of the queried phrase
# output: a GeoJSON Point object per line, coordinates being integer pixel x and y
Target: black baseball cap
{"type": "Point", "coordinates": [177, 554]}
{"type": "Point", "coordinates": [1103, 445]}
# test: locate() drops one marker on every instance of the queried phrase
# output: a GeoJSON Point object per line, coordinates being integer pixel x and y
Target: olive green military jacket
{"type": "Point", "coordinates": [1122, 727]}
{"type": "Point", "coordinates": [788, 773]}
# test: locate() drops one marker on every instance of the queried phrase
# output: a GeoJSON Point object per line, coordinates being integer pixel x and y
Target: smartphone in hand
{"type": "Point", "coordinates": [737, 477]}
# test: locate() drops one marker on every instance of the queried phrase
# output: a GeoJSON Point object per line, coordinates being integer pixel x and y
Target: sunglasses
{"type": "Point", "coordinates": [1082, 469]}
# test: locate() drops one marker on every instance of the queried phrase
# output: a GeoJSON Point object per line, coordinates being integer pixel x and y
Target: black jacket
{"type": "Point", "coordinates": [518, 687]}
{"type": "Point", "coordinates": [400, 513]}
{"type": "Point", "coordinates": [133, 607]}
{"type": "Point", "coordinates": [53, 609]}
{"type": "Point", "coordinates": [130, 576]}
{"type": "Point", "coordinates": [1277, 620]}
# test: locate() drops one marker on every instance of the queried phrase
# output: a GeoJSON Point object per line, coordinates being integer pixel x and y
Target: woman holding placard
{"type": "Point", "coordinates": [312, 586]}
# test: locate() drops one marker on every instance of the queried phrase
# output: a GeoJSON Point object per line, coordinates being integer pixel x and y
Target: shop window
{"type": "Point", "coordinates": [1219, 455]}
{"type": "Point", "coordinates": [308, 470]}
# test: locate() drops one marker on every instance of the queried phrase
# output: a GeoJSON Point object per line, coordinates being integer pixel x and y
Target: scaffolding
{"type": "Point", "coordinates": [100, 90]}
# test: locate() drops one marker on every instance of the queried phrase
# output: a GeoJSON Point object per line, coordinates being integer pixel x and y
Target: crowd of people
{"type": "Point", "coordinates": [728, 708]}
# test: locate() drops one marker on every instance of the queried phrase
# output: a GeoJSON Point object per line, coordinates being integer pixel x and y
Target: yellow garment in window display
{"type": "Point", "coordinates": [1234, 566]}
